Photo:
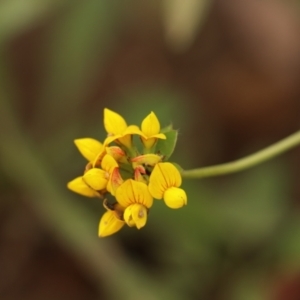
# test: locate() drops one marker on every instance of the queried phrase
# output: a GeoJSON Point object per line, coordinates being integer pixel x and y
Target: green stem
{"type": "Point", "coordinates": [246, 162]}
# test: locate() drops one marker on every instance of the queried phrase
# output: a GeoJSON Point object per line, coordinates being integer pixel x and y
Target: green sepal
{"type": "Point", "coordinates": [166, 129]}
{"type": "Point", "coordinates": [167, 146]}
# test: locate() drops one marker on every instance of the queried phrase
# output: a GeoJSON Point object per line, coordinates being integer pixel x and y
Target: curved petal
{"type": "Point", "coordinates": [148, 142]}
{"type": "Point", "coordinates": [150, 125]}
{"type": "Point", "coordinates": [96, 178]}
{"type": "Point", "coordinates": [147, 159]}
{"type": "Point", "coordinates": [98, 158]}
{"type": "Point", "coordinates": [163, 176]}
{"type": "Point", "coordinates": [111, 139]}
{"type": "Point", "coordinates": [133, 129]}
{"type": "Point", "coordinates": [159, 136]}
{"type": "Point", "coordinates": [157, 183]}
{"type": "Point", "coordinates": [170, 173]}
{"type": "Point", "coordinates": [115, 180]}
{"type": "Point", "coordinates": [113, 122]}
{"type": "Point", "coordinates": [88, 147]}
{"type": "Point", "coordinates": [131, 192]}
{"type": "Point", "coordinates": [116, 152]}
{"type": "Point", "coordinates": [109, 224]}
{"type": "Point", "coordinates": [108, 163]}
{"type": "Point", "coordinates": [78, 186]}
{"type": "Point", "coordinates": [175, 197]}
{"type": "Point", "coordinates": [136, 215]}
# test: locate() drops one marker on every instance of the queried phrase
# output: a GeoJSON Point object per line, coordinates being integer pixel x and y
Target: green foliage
{"type": "Point", "coordinates": [167, 146]}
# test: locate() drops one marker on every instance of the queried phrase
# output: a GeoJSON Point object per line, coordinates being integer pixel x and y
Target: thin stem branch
{"type": "Point", "coordinates": [246, 162]}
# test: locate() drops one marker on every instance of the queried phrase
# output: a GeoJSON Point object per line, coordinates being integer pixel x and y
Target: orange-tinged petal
{"type": "Point", "coordinates": [131, 192]}
{"type": "Point", "coordinates": [88, 147]}
{"type": "Point", "coordinates": [163, 176]}
{"type": "Point", "coordinates": [138, 171]}
{"type": "Point", "coordinates": [77, 185]}
{"type": "Point", "coordinates": [136, 215]}
{"type": "Point", "coordinates": [109, 224]}
{"type": "Point", "coordinates": [175, 197]}
{"type": "Point", "coordinates": [96, 178]}
{"type": "Point", "coordinates": [114, 123]}
{"type": "Point", "coordinates": [115, 180]}
{"type": "Point", "coordinates": [116, 152]}
{"type": "Point", "coordinates": [150, 125]}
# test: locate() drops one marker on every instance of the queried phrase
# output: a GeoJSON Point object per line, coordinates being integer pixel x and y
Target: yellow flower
{"type": "Point", "coordinates": [109, 224]}
{"type": "Point", "coordinates": [164, 182]}
{"type": "Point", "coordinates": [151, 128]}
{"type": "Point", "coordinates": [106, 178]}
{"type": "Point", "coordinates": [136, 199]}
{"type": "Point", "coordinates": [117, 129]}
{"type": "Point", "coordinates": [136, 215]}
{"type": "Point", "coordinates": [91, 149]}
{"type": "Point", "coordinates": [111, 221]}
{"type": "Point", "coordinates": [78, 186]}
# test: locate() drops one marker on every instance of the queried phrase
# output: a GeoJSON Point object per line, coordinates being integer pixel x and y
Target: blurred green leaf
{"type": "Point", "coordinates": [76, 49]}
{"type": "Point", "coordinates": [250, 208]}
{"type": "Point", "coordinates": [182, 21]}
{"type": "Point", "coordinates": [16, 16]}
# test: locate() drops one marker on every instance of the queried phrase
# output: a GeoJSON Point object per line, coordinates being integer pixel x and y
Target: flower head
{"type": "Point", "coordinates": [151, 130]}
{"type": "Point", "coordinates": [136, 198]}
{"type": "Point", "coordinates": [132, 175]}
{"type": "Point", "coordinates": [91, 149]}
{"type": "Point", "coordinates": [79, 186]}
{"type": "Point", "coordinates": [112, 220]}
{"type": "Point", "coordinates": [108, 177]}
{"type": "Point", "coordinates": [164, 182]}
{"type": "Point", "coordinates": [117, 129]}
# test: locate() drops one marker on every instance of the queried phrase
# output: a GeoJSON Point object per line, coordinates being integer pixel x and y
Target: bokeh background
{"type": "Point", "coordinates": [225, 73]}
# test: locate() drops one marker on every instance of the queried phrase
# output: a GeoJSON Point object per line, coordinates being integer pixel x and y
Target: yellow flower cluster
{"type": "Point", "coordinates": [133, 172]}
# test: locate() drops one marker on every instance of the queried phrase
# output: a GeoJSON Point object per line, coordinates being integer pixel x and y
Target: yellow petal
{"type": "Point", "coordinates": [126, 140]}
{"type": "Point", "coordinates": [109, 224]}
{"type": "Point", "coordinates": [147, 159]}
{"type": "Point", "coordinates": [88, 147]}
{"type": "Point", "coordinates": [150, 125]}
{"type": "Point", "coordinates": [77, 185]}
{"type": "Point", "coordinates": [163, 176]}
{"type": "Point", "coordinates": [149, 142]}
{"type": "Point", "coordinates": [136, 215]}
{"type": "Point", "coordinates": [138, 171]}
{"type": "Point", "coordinates": [160, 136]}
{"type": "Point", "coordinates": [132, 191]}
{"type": "Point", "coordinates": [133, 129]}
{"type": "Point", "coordinates": [113, 122]}
{"type": "Point", "coordinates": [108, 163]}
{"type": "Point", "coordinates": [96, 178]}
{"type": "Point", "coordinates": [116, 152]}
{"type": "Point", "coordinates": [175, 197]}
{"type": "Point", "coordinates": [98, 158]}
{"type": "Point", "coordinates": [115, 180]}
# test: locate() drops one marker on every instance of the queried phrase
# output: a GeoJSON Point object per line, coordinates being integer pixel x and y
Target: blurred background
{"type": "Point", "coordinates": [225, 73]}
